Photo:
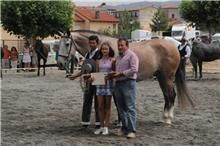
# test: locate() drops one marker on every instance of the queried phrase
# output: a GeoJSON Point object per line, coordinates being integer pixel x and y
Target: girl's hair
{"type": "Point", "coordinates": [13, 48]}
{"type": "Point", "coordinates": [111, 51]}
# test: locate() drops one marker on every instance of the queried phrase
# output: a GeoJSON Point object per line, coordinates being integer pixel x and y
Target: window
{"type": "Point", "coordinates": [136, 14]}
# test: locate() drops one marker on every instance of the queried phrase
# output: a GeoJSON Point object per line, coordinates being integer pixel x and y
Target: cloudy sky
{"type": "Point", "coordinates": [108, 2]}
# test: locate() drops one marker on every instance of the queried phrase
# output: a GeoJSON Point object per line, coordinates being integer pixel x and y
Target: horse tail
{"type": "Point", "coordinates": [182, 91]}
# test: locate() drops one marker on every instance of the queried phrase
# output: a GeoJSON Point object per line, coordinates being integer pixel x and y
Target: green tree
{"type": "Point", "coordinates": [126, 25]}
{"type": "Point", "coordinates": [32, 19]}
{"type": "Point", "coordinates": [160, 21]}
{"type": "Point", "coordinates": [204, 14]}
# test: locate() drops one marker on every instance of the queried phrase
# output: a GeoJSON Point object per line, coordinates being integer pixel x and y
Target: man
{"type": "Point", "coordinates": [91, 93]}
{"type": "Point", "coordinates": [125, 87]}
{"type": "Point", "coordinates": [185, 53]}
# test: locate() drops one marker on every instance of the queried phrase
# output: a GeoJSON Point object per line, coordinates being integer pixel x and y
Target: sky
{"type": "Point", "coordinates": [108, 2]}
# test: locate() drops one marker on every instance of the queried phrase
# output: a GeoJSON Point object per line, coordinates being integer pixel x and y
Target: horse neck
{"type": "Point", "coordinates": [83, 50]}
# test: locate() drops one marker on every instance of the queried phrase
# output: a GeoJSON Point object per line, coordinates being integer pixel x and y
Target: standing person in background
{"type": "Point", "coordinates": [125, 87]}
{"type": "Point", "coordinates": [185, 52]}
{"type": "Point", "coordinates": [6, 57]}
{"type": "Point", "coordinates": [14, 58]}
{"type": "Point", "coordinates": [26, 55]}
{"type": "Point", "coordinates": [104, 92]}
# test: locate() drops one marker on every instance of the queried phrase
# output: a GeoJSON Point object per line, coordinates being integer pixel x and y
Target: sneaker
{"type": "Point", "coordinates": [105, 131]}
{"type": "Point", "coordinates": [131, 135]}
{"type": "Point", "coordinates": [99, 131]}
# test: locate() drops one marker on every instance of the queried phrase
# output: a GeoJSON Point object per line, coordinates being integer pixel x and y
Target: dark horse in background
{"type": "Point", "coordinates": [42, 53]}
{"type": "Point", "coordinates": [157, 56]}
{"type": "Point", "coordinates": [202, 52]}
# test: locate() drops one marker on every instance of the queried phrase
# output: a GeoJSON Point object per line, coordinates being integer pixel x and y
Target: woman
{"type": "Point", "coordinates": [14, 57]}
{"type": "Point", "coordinates": [104, 64]}
{"type": "Point", "coordinates": [26, 56]}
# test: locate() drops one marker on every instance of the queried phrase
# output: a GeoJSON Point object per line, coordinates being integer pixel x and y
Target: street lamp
{"type": "Point", "coordinates": [131, 23]}
{"type": "Point", "coordinates": [158, 23]}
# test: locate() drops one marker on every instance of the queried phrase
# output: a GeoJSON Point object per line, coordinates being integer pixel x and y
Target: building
{"type": "Point", "coordinates": [95, 19]}
{"type": "Point", "coordinates": [143, 15]}
{"type": "Point", "coordinates": [10, 40]}
{"type": "Point", "coordinates": [172, 13]}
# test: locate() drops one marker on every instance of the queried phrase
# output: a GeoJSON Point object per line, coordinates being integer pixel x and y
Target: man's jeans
{"type": "Point", "coordinates": [125, 92]}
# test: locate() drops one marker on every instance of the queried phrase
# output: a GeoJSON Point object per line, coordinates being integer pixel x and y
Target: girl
{"type": "Point", "coordinates": [104, 64]}
{"type": "Point", "coordinates": [14, 57]}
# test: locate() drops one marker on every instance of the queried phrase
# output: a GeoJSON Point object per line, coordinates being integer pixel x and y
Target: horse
{"type": "Point", "coordinates": [42, 53]}
{"type": "Point", "coordinates": [67, 56]}
{"type": "Point", "coordinates": [202, 52]}
{"type": "Point", "coordinates": [157, 57]}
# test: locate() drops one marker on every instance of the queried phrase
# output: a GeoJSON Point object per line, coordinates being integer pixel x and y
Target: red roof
{"type": "Point", "coordinates": [90, 15]}
{"type": "Point", "coordinates": [78, 19]}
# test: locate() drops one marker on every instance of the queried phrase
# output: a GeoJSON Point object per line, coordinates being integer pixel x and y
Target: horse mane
{"type": "Point", "coordinates": [93, 32]}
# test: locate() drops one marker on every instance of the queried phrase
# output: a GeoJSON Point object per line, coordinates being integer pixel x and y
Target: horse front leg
{"type": "Point", "coordinates": [200, 69]}
{"type": "Point", "coordinates": [44, 67]}
{"type": "Point", "coordinates": [38, 68]}
{"type": "Point", "coordinates": [194, 64]}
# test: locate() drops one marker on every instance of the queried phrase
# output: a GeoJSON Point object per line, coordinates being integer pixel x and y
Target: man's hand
{"type": "Point", "coordinates": [72, 77]}
{"type": "Point", "coordinates": [114, 75]}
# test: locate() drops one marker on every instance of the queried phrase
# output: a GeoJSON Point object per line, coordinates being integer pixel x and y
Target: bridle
{"type": "Point", "coordinates": [72, 42]}
{"type": "Point", "coordinates": [68, 54]}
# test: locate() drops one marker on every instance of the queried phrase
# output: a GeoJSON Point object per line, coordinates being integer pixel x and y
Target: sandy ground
{"type": "Point", "coordinates": [46, 111]}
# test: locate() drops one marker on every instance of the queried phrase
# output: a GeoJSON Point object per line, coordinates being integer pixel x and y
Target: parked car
{"type": "Point", "coordinates": [216, 38]}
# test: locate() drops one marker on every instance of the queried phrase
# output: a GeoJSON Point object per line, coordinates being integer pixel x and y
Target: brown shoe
{"type": "Point", "coordinates": [131, 135]}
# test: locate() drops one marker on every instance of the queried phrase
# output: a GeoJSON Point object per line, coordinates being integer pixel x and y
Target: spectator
{"type": "Point", "coordinates": [6, 57]}
{"type": "Point", "coordinates": [185, 52]}
{"type": "Point", "coordinates": [26, 55]}
{"type": "Point", "coordinates": [14, 58]}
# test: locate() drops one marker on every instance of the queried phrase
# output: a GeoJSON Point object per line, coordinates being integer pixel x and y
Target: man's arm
{"type": "Point", "coordinates": [74, 76]}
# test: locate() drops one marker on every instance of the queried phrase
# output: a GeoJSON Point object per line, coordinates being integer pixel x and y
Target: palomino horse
{"type": "Point", "coordinates": [158, 57]}
{"type": "Point", "coordinates": [42, 53]}
{"type": "Point", "coordinates": [203, 52]}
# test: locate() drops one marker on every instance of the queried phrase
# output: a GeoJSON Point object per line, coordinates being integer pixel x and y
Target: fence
{"type": "Point", "coordinates": [19, 44]}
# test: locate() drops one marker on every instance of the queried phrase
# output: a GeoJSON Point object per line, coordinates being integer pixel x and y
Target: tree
{"type": "Point", "coordinates": [32, 19]}
{"type": "Point", "coordinates": [160, 21]}
{"type": "Point", "coordinates": [127, 25]}
{"type": "Point", "coordinates": [204, 14]}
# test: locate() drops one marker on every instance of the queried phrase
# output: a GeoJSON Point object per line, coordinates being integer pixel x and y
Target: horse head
{"type": "Point", "coordinates": [78, 41]}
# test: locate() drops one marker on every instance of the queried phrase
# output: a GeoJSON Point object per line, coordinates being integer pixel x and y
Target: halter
{"type": "Point", "coordinates": [68, 54]}
{"type": "Point", "coordinates": [71, 42]}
